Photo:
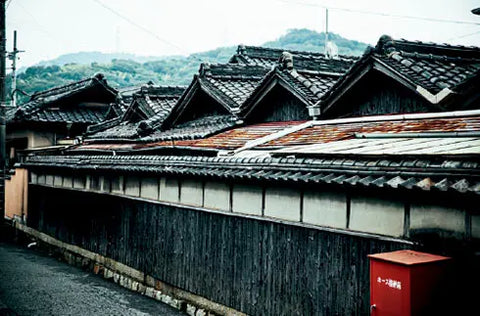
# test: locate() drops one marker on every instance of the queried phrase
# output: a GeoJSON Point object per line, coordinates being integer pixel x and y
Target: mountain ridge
{"type": "Point", "coordinates": [168, 70]}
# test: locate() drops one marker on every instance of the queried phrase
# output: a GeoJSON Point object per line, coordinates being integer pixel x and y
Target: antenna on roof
{"type": "Point", "coordinates": [326, 31]}
{"type": "Point", "coordinates": [331, 50]}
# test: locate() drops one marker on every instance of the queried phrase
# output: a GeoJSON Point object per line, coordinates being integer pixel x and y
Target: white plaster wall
{"type": "Point", "coordinates": [49, 179]}
{"type": "Point", "coordinates": [79, 182]}
{"type": "Point", "coordinates": [191, 192]}
{"type": "Point", "coordinates": [104, 184]}
{"type": "Point", "coordinates": [437, 217]}
{"type": "Point", "coordinates": [378, 216]}
{"type": "Point", "coordinates": [33, 177]}
{"type": "Point", "coordinates": [149, 188]}
{"type": "Point", "coordinates": [325, 209]}
{"type": "Point", "coordinates": [169, 190]}
{"type": "Point", "coordinates": [67, 182]}
{"type": "Point", "coordinates": [41, 179]}
{"type": "Point", "coordinates": [282, 203]}
{"type": "Point", "coordinates": [58, 181]}
{"type": "Point", "coordinates": [217, 196]}
{"type": "Point", "coordinates": [132, 186]}
{"type": "Point", "coordinates": [247, 199]}
{"type": "Point", "coordinates": [476, 226]}
{"type": "Point", "coordinates": [120, 189]}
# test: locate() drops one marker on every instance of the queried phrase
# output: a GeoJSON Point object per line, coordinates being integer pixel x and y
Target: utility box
{"type": "Point", "coordinates": [406, 282]}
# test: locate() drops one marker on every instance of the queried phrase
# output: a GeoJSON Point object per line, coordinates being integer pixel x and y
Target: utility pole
{"type": "Point", "coordinates": [3, 128]}
{"type": "Point", "coordinates": [13, 57]}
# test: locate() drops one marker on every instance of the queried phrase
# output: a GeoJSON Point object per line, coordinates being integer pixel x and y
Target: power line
{"type": "Point", "coordinates": [463, 36]}
{"type": "Point", "coordinates": [141, 27]}
{"type": "Point", "coordinates": [41, 27]}
{"type": "Point", "coordinates": [383, 14]}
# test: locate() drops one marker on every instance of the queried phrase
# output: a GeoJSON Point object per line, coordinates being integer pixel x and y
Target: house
{"type": "Point", "coordinates": [400, 76]}
{"type": "Point", "coordinates": [227, 205]}
{"type": "Point", "coordinates": [296, 82]}
{"type": "Point", "coordinates": [59, 113]}
{"type": "Point", "coordinates": [148, 103]}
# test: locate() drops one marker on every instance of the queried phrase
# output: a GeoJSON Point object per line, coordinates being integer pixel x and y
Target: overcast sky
{"type": "Point", "coordinates": [49, 28]}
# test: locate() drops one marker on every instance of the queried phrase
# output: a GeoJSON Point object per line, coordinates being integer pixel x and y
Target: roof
{"type": "Point", "coordinates": [228, 84]}
{"type": "Point", "coordinates": [441, 175]}
{"type": "Point", "coordinates": [433, 71]}
{"type": "Point", "coordinates": [424, 152]}
{"type": "Point", "coordinates": [150, 104]}
{"type": "Point", "coordinates": [394, 126]}
{"type": "Point", "coordinates": [268, 57]}
{"type": "Point", "coordinates": [306, 85]}
{"type": "Point", "coordinates": [48, 106]}
{"type": "Point", "coordinates": [306, 75]}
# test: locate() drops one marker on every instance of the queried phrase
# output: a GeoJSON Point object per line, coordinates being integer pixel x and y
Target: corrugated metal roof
{"type": "Point", "coordinates": [230, 139]}
{"type": "Point", "coordinates": [390, 146]}
{"type": "Point", "coordinates": [335, 132]}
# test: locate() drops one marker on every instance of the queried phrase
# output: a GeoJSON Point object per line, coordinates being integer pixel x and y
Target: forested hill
{"type": "Point", "coordinates": [123, 70]}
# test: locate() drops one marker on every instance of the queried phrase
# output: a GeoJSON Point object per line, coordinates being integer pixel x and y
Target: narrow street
{"type": "Point", "coordinates": [32, 283]}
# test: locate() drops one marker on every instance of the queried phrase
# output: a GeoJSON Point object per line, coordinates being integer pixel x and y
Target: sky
{"type": "Point", "coordinates": [49, 28]}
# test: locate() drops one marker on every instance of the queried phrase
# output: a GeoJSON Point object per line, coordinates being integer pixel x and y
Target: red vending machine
{"type": "Point", "coordinates": [405, 282]}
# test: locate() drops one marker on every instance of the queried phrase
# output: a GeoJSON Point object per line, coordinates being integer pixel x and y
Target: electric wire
{"type": "Point", "coordinates": [143, 28]}
{"type": "Point", "coordinates": [381, 13]}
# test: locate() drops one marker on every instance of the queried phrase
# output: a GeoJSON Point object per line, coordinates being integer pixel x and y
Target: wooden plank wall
{"type": "Point", "coordinates": [258, 267]}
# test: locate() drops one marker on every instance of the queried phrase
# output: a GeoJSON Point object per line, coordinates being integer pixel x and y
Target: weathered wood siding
{"type": "Point", "coordinates": [378, 94]}
{"type": "Point", "coordinates": [279, 105]}
{"type": "Point", "coordinates": [258, 267]}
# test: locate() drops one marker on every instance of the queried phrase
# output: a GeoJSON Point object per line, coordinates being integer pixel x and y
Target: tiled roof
{"type": "Point", "coordinates": [46, 106]}
{"type": "Point", "coordinates": [432, 66]}
{"type": "Point", "coordinates": [231, 83]}
{"type": "Point", "coordinates": [441, 175]}
{"type": "Point", "coordinates": [151, 103]}
{"type": "Point", "coordinates": [432, 70]}
{"type": "Point", "coordinates": [193, 129]}
{"type": "Point", "coordinates": [75, 115]}
{"type": "Point", "coordinates": [262, 56]}
{"type": "Point", "coordinates": [228, 84]}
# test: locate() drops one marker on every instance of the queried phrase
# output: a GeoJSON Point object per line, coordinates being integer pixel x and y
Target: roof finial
{"type": "Point", "coordinates": [385, 44]}
{"type": "Point", "coordinates": [286, 61]}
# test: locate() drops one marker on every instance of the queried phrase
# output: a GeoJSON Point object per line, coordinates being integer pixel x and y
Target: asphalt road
{"type": "Point", "coordinates": [32, 283]}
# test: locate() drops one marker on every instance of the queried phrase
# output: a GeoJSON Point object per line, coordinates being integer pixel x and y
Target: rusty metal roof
{"type": "Point", "coordinates": [390, 146]}
{"type": "Point", "coordinates": [333, 132]}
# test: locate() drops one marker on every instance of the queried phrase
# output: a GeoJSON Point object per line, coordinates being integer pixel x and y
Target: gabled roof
{"type": "Point", "coordinates": [308, 76]}
{"type": "Point", "coordinates": [150, 103]}
{"type": "Point", "coordinates": [436, 72]}
{"type": "Point", "coordinates": [268, 57]}
{"type": "Point", "coordinates": [308, 86]}
{"type": "Point", "coordinates": [228, 84]}
{"type": "Point", "coordinates": [46, 106]}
